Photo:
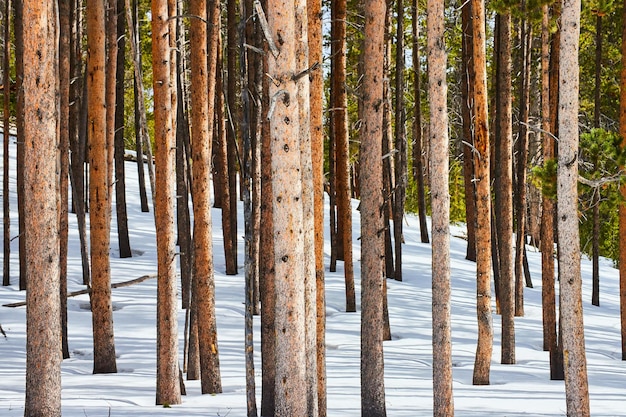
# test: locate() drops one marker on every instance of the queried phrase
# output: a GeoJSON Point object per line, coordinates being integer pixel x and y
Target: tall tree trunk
{"type": "Point", "coordinates": [222, 177]}
{"type": "Point", "coordinates": [168, 385]}
{"type": "Point", "coordinates": [99, 202]}
{"type": "Point", "coordinates": [418, 163]}
{"type": "Point", "coordinates": [19, 118]}
{"type": "Point", "coordinates": [468, 133]}
{"type": "Point", "coordinates": [203, 79]}
{"type": "Point", "coordinates": [547, 204]}
{"type": "Point", "coordinates": [231, 132]}
{"type": "Point", "coordinates": [120, 176]}
{"type": "Point", "coordinates": [576, 386]}
{"type": "Point", "coordinates": [622, 206]}
{"type": "Point", "coordinates": [400, 167]}
{"type": "Point", "coordinates": [483, 198]}
{"type": "Point", "coordinates": [6, 95]}
{"type": "Point", "coordinates": [64, 154]}
{"type": "Point", "coordinates": [387, 138]}
{"type": "Point", "coordinates": [248, 64]}
{"type": "Point", "coordinates": [372, 361]}
{"type": "Point", "coordinates": [443, 404]}
{"type": "Point", "coordinates": [43, 327]}
{"type": "Point", "coordinates": [341, 136]}
{"type": "Point", "coordinates": [110, 91]}
{"type": "Point", "coordinates": [289, 240]}
{"type": "Point", "coordinates": [504, 189]}
{"type": "Point", "coordinates": [595, 273]}
{"type": "Point", "coordinates": [315, 37]}
{"type": "Point", "coordinates": [521, 162]}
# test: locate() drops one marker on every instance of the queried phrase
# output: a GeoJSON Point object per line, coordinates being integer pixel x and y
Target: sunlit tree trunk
{"type": "Point", "coordinates": [372, 361]}
{"type": "Point", "coordinates": [43, 327]}
{"type": "Point", "coordinates": [443, 404]}
{"type": "Point", "coordinates": [315, 37]}
{"type": "Point", "coordinates": [203, 76]}
{"type": "Point", "coordinates": [99, 192]}
{"type": "Point", "coordinates": [576, 386]}
{"type": "Point", "coordinates": [483, 198]}
{"type": "Point", "coordinates": [168, 386]}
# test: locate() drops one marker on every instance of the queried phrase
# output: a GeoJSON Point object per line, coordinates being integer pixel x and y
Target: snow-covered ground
{"type": "Point", "coordinates": [521, 389]}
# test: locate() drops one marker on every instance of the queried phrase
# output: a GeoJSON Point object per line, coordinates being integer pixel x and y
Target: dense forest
{"type": "Point", "coordinates": [507, 116]}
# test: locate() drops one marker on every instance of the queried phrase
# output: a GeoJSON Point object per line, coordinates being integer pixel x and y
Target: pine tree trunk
{"type": "Point", "coordinates": [504, 190]}
{"type": "Point", "coordinates": [418, 163]}
{"type": "Point", "coordinates": [120, 175]}
{"type": "Point", "coordinates": [372, 361]}
{"type": "Point", "coordinates": [99, 192]}
{"type": "Point", "coordinates": [622, 206]}
{"type": "Point", "coordinates": [6, 95]}
{"type": "Point", "coordinates": [315, 37]}
{"type": "Point", "coordinates": [64, 144]}
{"type": "Point", "coordinates": [168, 386]}
{"type": "Point", "coordinates": [576, 386]}
{"type": "Point", "coordinates": [443, 404]}
{"type": "Point", "coordinates": [203, 81]}
{"type": "Point", "coordinates": [483, 199]}
{"type": "Point", "coordinates": [232, 132]}
{"type": "Point", "coordinates": [468, 134]}
{"type": "Point", "coordinates": [43, 327]}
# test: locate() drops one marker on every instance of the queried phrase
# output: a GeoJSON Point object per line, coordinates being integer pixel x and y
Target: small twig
{"type": "Point", "coordinates": [306, 71]}
{"type": "Point", "coordinates": [254, 49]}
{"type": "Point", "coordinates": [266, 28]}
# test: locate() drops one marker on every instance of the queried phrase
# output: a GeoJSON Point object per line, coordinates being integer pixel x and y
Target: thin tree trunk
{"type": "Point", "coordinates": [622, 206]}
{"type": "Point", "coordinates": [595, 273]}
{"type": "Point", "coordinates": [468, 133]}
{"type": "Point", "coordinates": [483, 199]}
{"type": "Point", "coordinates": [6, 95]}
{"type": "Point", "coordinates": [99, 192]}
{"type": "Point", "coordinates": [168, 389]}
{"type": "Point", "coordinates": [43, 327]}
{"type": "Point", "coordinates": [576, 386]}
{"type": "Point", "coordinates": [19, 118]}
{"type": "Point", "coordinates": [520, 166]}
{"type": "Point", "coordinates": [372, 361]}
{"type": "Point", "coordinates": [144, 140]}
{"type": "Point", "coordinates": [400, 167]}
{"type": "Point", "coordinates": [418, 164]}
{"type": "Point", "coordinates": [64, 144]}
{"type": "Point", "coordinates": [504, 190]}
{"type": "Point", "coordinates": [232, 130]}
{"type": "Point", "coordinates": [443, 404]}
{"type": "Point", "coordinates": [120, 176]}
{"type": "Point", "coordinates": [315, 37]}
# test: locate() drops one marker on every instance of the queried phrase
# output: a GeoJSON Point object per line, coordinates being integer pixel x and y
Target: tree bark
{"type": "Point", "coordinates": [168, 385]}
{"type": "Point", "coordinates": [418, 164]}
{"type": "Point", "coordinates": [315, 37]}
{"type": "Point", "coordinates": [43, 327]}
{"type": "Point", "coordinates": [372, 361]}
{"type": "Point", "coordinates": [6, 95]}
{"type": "Point", "coordinates": [622, 207]}
{"type": "Point", "coordinates": [483, 198]}
{"type": "Point", "coordinates": [400, 167]}
{"type": "Point", "coordinates": [468, 134]}
{"type": "Point", "coordinates": [443, 404]}
{"type": "Point", "coordinates": [99, 192]}
{"type": "Point", "coordinates": [576, 386]}
{"type": "Point", "coordinates": [120, 176]}
{"type": "Point", "coordinates": [504, 190]}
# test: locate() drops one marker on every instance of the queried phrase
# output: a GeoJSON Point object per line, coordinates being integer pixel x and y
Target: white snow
{"type": "Point", "coordinates": [521, 389]}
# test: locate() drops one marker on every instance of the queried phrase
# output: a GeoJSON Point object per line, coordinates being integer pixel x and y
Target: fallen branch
{"type": "Point", "coordinates": [87, 290]}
